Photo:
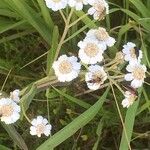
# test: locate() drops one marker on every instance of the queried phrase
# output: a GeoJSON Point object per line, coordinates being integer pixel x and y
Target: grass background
{"type": "Point", "coordinates": [29, 36]}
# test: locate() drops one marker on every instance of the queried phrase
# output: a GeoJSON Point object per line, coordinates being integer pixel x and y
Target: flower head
{"type": "Point", "coordinates": [136, 74]}
{"type": "Point", "coordinates": [9, 110]}
{"type": "Point", "coordinates": [95, 77]}
{"type": "Point", "coordinates": [130, 51]}
{"type": "Point", "coordinates": [102, 36]}
{"type": "Point", "coordinates": [66, 68]}
{"type": "Point", "coordinates": [90, 51]}
{"type": "Point", "coordinates": [40, 126]}
{"type": "Point", "coordinates": [15, 95]}
{"type": "Point", "coordinates": [56, 4]}
{"type": "Point", "coordinates": [129, 99]}
{"type": "Point", "coordinates": [78, 4]}
{"type": "Point", "coordinates": [99, 8]}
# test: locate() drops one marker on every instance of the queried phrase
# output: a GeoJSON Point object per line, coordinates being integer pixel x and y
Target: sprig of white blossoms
{"type": "Point", "coordinates": [15, 95]}
{"type": "Point", "coordinates": [130, 51]}
{"type": "Point", "coordinates": [102, 36]}
{"type": "Point", "coordinates": [129, 99]}
{"type": "Point", "coordinates": [99, 8]}
{"type": "Point", "coordinates": [40, 126]}
{"type": "Point", "coordinates": [56, 5]}
{"type": "Point", "coordinates": [9, 110]}
{"type": "Point", "coordinates": [66, 68]}
{"type": "Point", "coordinates": [136, 74]}
{"type": "Point", "coordinates": [90, 51]}
{"type": "Point", "coordinates": [95, 77]}
{"type": "Point", "coordinates": [78, 4]}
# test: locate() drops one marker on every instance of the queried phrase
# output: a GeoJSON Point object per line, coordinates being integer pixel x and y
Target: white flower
{"type": "Point", "coordinates": [136, 75]}
{"type": "Point", "coordinates": [15, 95]}
{"type": "Point", "coordinates": [95, 77]}
{"type": "Point", "coordinates": [40, 126]}
{"type": "Point", "coordinates": [78, 4]}
{"type": "Point", "coordinates": [9, 110]}
{"type": "Point", "coordinates": [90, 51]}
{"type": "Point", "coordinates": [131, 52]}
{"type": "Point", "coordinates": [102, 36]}
{"type": "Point", "coordinates": [66, 68]}
{"type": "Point", "coordinates": [56, 4]}
{"type": "Point", "coordinates": [129, 99]}
{"type": "Point", "coordinates": [99, 8]}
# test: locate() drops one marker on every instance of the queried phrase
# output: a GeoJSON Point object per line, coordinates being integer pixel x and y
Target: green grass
{"type": "Point", "coordinates": [30, 36]}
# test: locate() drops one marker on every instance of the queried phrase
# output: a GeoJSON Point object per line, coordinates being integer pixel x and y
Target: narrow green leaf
{"type": "Point", "coordinates": [98, 132]}
{"type": "Point", "coordinates": [7, 25]}
{"type": "Point", "coordinates": [74, 126]}
{"type": "Point", "coordinates": [146, 105]}
{"type": "Point", "coordinates": [2, 147]}
{"type": "Point", "coordinates": [129, 123]}
{"type": "Point", "coordinates": [52, 51]}
{"type": "Point", "coordinates": [86, 19]}
{"type": "Point", "coordinates": [46, 14]}
{"type": "Point", "coordinates": [16, 35]}
{"type": "Point", "coordinates": [136, 18]}
{"type": "Point", "coordinates": [141, 8]}
{"type": "Point", "coordinates": [7, 13]}
{"type": "Point", "coordinates": [124, 29]}
{"type": "Point", "coordinates": [73, 99]}
{"type": "Point", "coordinates": [27, 98]}
{"type": "Point", "coordinates": [16, 137]}
{"type": "Point", "coordinates": [27, 13]}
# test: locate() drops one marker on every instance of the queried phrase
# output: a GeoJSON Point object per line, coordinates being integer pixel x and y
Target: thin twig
{"type": "Point", "coordinates": [63, 16]}
{"type": "Point", "coordinates": [5, 80]}
{"type": "Point", "coordinates": [120, 115]}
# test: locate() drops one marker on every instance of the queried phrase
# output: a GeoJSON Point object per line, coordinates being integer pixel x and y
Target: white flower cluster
{"type": "Point", "coordinates": [10, 113]}
{"type": "Point", "coordinates": [9, 109]}
{"type": "Point", "coordinates": [99, 8]}
{"type": "Point", "coordinates": [136, 71]}
{"type": "Point", "coordinates": [91, 51]}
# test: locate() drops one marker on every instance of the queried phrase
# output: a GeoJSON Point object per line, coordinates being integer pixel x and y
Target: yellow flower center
{"type": "Point", "coordinates": [65, 67]}
{"type": "Point", "coordinates": [40, 129]}
{"type": "Point", "coordinates": [6, 110]}
{"type": "Point", "coordinates": [132, 53]}
{"type": "Point", "coordinates": [56, 1]}
{"type": "Point", "coordinates": [91, 50]}
{"type": "Point", "coordinates": [139, 73]}
{"type": "Point", "coordinates": [101, 34]}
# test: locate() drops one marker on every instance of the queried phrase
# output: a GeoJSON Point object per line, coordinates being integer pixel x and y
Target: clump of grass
{"type": "Point", "coordinates": [31, 39]}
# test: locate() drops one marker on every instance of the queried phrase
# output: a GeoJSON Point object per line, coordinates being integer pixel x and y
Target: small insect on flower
{"type": "Point", "coordinates": [129, 99]}
{"type": "Point", "coordinates": [102, 36]}
{"type": "Point", "coordinates": [40, 126]}
{"type": "Point", "coordinates": [132, 53]}
{"type": "Point", "coordinates": [66, 68]}
{"type": "Point", "coordinates": [136, 74]}
{"type": "Point", "coordinates": [56, 5]}
{"type": "Point", "coordinates": [99, 9]}
{"type": "Point", "coordinates": [95, 77]}
{"type": "Point", "coordinates": [9, 110]}
{"type": "Point", "coordinates": [78, 4]}
{"type": "Point", "coordinates": [130, 89]}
